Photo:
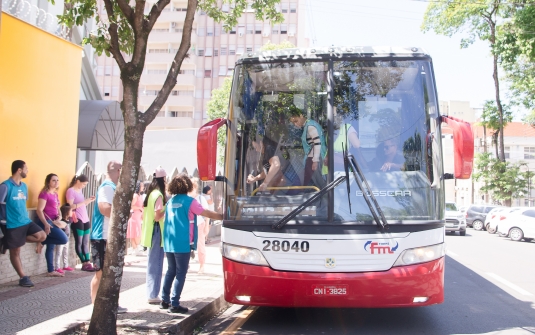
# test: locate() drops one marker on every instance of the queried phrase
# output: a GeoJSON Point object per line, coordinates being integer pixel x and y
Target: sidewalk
{"type": "Point", "coordinates": [56, 305]}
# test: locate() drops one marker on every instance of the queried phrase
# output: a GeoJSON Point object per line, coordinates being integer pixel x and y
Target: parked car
{"type": "Point", "coordinates": [455, 220]}
{"type": "Point", "coordinates": [520, 225]}
{"type": "Point", "coordinates": [476, 214]}
{"type": "Point", "coordinates": [491, 216]}
{"type": "Point", "coordinates": [499, 216]}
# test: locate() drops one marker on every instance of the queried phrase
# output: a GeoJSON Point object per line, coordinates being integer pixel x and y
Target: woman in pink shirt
{"type": "Point", "coordinates": [47, 212]}
{"type": "Point", "coordinates": [82, 227]}
{"type": "Point", "coordinates": [133, 232]}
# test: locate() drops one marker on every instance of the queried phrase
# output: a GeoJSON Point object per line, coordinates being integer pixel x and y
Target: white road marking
{"type": "Point", "coordinates": [451, 253]}
{"type": "Point", "coordinates": [509, 284]}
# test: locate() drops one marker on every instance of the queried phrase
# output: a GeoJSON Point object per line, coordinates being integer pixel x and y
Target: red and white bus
{"type": "Point", "coordinates": [367, 230]}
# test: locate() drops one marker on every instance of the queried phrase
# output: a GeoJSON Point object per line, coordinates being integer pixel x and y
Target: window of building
{"type": "Point", "coordinates": [210, 31]}
{"type": "Point", "coordinates": [216, 52]}
{"type": "Point", "coordinates": [230, 71]}
{"type": "Point", "coordinates": [100, 70]}
{"type": "Point", "coordinates": [232, 30]}
{"type": "Point", "coordinates": [217, 30]}
{"type": "Point", "coordinates": [107, 70]}
{"type": "Point", "coordinates": [186, 72]}
{"type": "Point", "coordinates": [250, 29]}
{"type": "Point", "coordinates": [507, 152]}
{"type": "Point", "coordinates": [258, 28]}
{"type": "Point", "coordinates": [158, 51]}
{"type": "Point", "coordinates": [201, 31]}
{"type": "Point", "coordinates": [207, 73]}
{"type": "Point", "coordinates": [222, 70]}
{"type": "Point", "coordinates": [107, 91]}
{"type": "Point", "coordinates": [249, 49]}
{"type": "Point", "coordinates": [200, 52]}
{"type": "Point", "coordinates": [180, 114]}
{"type": "Point", "coordinates": [207, 94]}
{"type": "Point", "coordinates": [198, 93]}
{"type": "Point", "coordinates": [241, 30]}
{"type": "Point", "coordinates": [239, 51]}
{"type": "Point", "coordinates": [284, 28]}
{"type": "Point", "coordinates": [293, 7]}
{"type": "Point", "coordinates": [232, 50]}
{"type": "Point", "coordinates": [156, 71]}
{"type": "Point", "coordinates": [179, 30]}
{"type": "Point", "coordinates": [224, 7]}
{"type": "Point", "coordinates": [529, 152]}
{"type": "Point", "coordinates": [161, 113]}
{"type": "Point", "coordinates": [284, 7]}
{"type": "Point", "coordinates": [209, 52]}
{"type": "Point", "coordinates": [115, 91]}
{"type": "Point", "coordinates": [203, 12]}
{"type": "Point", "coordinates": [257, 47]}
{"type": "Point", "coordinates": [199, 74]}
{"type": "Point", "coordinates": [292, 28]}
{"type": "Point", "coordinates": [223, 51]}
{"type": "Point", "coordinates": [275, 29]}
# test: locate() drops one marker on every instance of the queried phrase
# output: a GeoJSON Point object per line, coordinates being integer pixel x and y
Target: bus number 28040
{"type": "Point", "coordinates": [285, 246]}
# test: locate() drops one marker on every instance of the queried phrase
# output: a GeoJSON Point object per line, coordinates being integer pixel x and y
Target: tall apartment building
{"type": "Point", "coordinates": [212, 57]}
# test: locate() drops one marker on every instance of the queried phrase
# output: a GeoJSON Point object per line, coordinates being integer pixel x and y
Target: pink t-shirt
{"type": "Point", "coordinates": [51, 206]}
{"type": "Point", "coordinates": [194, 209]}
{"type": "Point", "coordinates": [81, 212]}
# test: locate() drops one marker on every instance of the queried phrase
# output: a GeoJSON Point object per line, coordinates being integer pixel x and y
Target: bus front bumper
{"type": "Point", "coordinates": [405, 286]}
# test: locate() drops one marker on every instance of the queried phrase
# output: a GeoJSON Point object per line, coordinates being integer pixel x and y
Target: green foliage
{"type": "Point", "coordinates": [503, 180]}
{"type": "Point", "coordinates": [78, 11]}
{"type": "Point", "coordinates": [490, 118]}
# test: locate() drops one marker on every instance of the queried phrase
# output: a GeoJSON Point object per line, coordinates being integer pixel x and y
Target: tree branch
{"type": "Point", "coordinates": [114, 36]}
{"type": "Point", "coordinates": [182, 52]}
{"type": "Point", "coordinates": [127, 11]}
{"type": "Point", "coordinates": [156, 10]}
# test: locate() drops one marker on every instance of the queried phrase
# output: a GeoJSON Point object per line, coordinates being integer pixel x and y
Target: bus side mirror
{"type": "Point", "coordinates": [207, 149]}
{"type": "Point", "coordinates": [463, 146]}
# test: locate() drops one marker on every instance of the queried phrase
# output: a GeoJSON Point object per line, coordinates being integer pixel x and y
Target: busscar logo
{"type": "Point", "coordinates": [376, 248]}
{"type": "Point", "coordinates": [387, 193]}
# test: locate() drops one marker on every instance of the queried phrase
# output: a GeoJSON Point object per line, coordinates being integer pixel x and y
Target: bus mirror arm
{"type": "Point", "coordinates": [448, 176]}
{"type": "Point", "coordinates": [367, 193]}
{"type": "Point", "coordinates": [305, 204]}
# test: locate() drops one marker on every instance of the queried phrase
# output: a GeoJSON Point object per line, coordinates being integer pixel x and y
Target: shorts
{"type": "Point", "coordinates": [16, 237]}
{"type": "Point", "coordinates": [98, 252]}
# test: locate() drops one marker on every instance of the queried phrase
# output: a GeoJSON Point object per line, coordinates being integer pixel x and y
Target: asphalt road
{"type": "Point", "coordinates": [489, 289]}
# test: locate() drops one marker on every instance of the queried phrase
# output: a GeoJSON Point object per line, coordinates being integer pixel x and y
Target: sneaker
{"type": "Point", "coordinates": [164, 305]}
{"type": "Point", "coordinates": [178, 309]}
{"type": "Point", "coordinates": [88, 267]}
{"type": "Point", "coordinates": [25, 282]}
{"type": "Point", "coordinates": [54, 274]}
{"type": "Point", "coordinates": [121, 310]}
{"type": "Point", "coordinates": [60, 271]}
{"type": "Point", "coordinates": [68, 269]}
{"type": "Point", "coordinates": [154, 301]}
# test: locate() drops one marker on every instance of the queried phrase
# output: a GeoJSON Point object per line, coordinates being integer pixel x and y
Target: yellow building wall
{"type": "Point", "coordinates": [39, 101]}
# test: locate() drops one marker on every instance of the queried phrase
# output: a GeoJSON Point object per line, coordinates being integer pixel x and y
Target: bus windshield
{"type": "Point", "coordinates": [382, 111]}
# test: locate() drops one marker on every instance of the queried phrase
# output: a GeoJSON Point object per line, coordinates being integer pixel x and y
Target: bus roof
{"type": "Point", "coordinates": [333, 51]}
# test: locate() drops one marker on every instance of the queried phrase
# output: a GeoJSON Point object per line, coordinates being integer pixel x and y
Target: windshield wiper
{"type": "Point", "coordinates": [366, 193]}
{"type": "Point", "coordinates": [305, 204]}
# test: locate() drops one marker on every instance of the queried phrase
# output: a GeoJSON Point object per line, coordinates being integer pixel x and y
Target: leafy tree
{"type": "Point", "coordinates": [480, 20]}
{"type": "Point", "coordinates": [490, 119]}
{"type": "Point", "coordinates": [503, 180]}
{"type": "Point", "coordinates": [122, 32]}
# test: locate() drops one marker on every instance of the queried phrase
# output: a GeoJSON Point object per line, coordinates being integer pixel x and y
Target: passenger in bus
{"type": "Point", "coordinates": [346, 136]}
{"type": "Point", "coordinates": [276, 171]}
{"type": "Point", "coordinates": [313, 142]}
{"type": "Point", "coordinates": [388, 158]}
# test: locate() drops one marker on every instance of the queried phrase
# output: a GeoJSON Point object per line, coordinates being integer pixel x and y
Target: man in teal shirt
{"type": "Point", "coordinates": [19, 228]}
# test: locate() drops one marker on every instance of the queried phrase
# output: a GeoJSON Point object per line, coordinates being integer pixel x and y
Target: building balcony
{"type": "Point", "coordinates": [158, 58]}
{"type": "Point", "coordinates": [172, 123]}
{"type": "Point", "coordinates": [172, 16]}
{"type": "Point", "coordinates": [159, 79]}
{"type": "Point", "coordinates": [173, 100]}
{"type": "Point", "coordinates": [169, 37]}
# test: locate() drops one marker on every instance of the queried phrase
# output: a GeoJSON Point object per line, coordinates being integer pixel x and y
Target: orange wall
{"type": "Point", "coordinates": [39, 98]}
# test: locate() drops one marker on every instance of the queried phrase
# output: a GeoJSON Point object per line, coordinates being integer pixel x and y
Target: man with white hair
{"type": "Point", "coordinates": [100, 224]}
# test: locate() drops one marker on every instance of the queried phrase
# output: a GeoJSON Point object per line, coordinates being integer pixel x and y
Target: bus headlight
{"type": "Point", "coordinates": [420, 255]}
{"type": "Point", "coordinates": [244, 254]}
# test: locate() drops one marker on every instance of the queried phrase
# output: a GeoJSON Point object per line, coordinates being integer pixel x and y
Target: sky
{"type": "Point", "coordinates": [461, 74]}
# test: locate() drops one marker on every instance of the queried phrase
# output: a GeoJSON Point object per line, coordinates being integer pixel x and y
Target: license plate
{"type": "Point", "coordinates": [329, 290]}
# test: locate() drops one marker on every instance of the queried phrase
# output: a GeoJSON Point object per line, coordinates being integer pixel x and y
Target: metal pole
{"type": "Point", "coordinates": [529, 188]}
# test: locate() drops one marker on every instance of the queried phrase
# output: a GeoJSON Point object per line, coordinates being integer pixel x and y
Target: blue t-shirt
{"type": "Point", "coordinates": [177, 225]}
{"type": "Point", "coordinates": [99, 225]}
{"type": "Point", "coordinates": [16, 196]}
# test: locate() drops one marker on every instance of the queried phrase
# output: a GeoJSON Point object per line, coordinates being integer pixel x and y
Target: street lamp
{"type": "Point", "coordinates": [529, 183]}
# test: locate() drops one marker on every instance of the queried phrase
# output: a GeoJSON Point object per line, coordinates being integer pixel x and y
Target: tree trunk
{"type": "Point", "coordinates": [501, 156]}
{"type": "Point", "coordinates": [104, 318]}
